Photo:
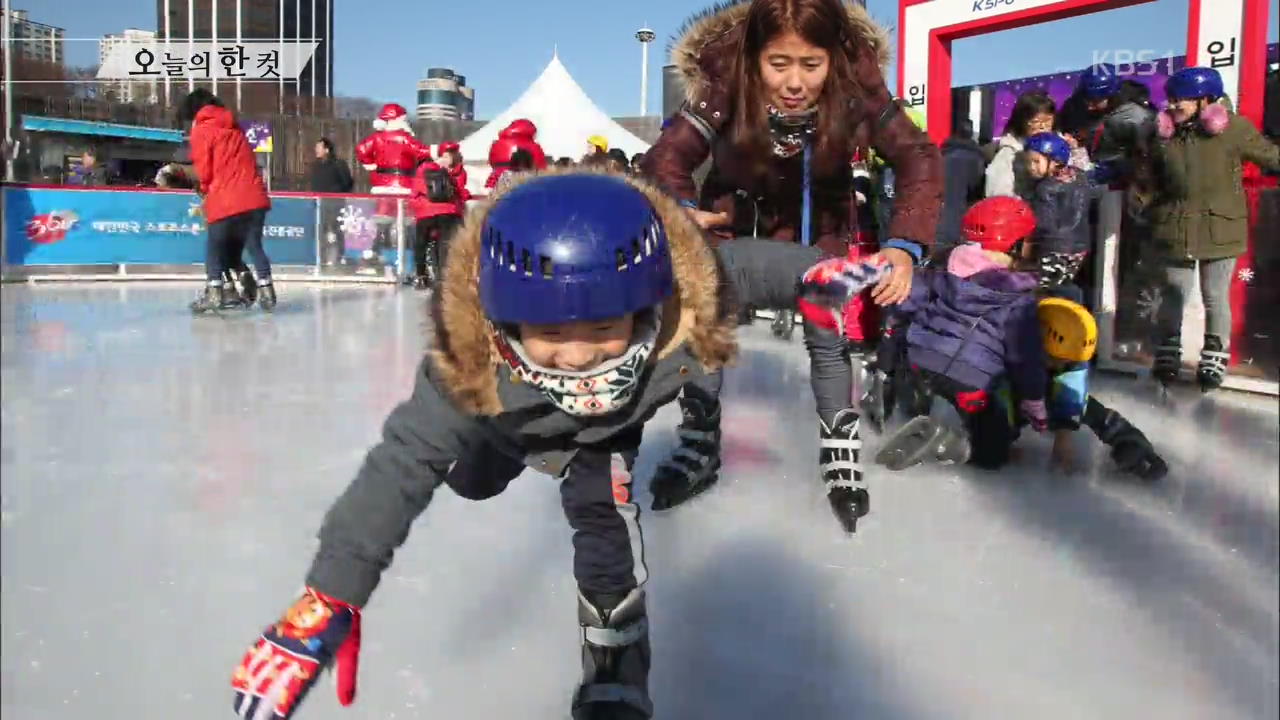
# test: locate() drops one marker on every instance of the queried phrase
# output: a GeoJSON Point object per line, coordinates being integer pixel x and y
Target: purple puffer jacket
{"type": "Point", "coordinates": [995, 309]}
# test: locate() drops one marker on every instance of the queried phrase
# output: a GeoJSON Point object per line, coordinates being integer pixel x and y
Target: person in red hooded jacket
{"type": "Point", "coordinates": [458, 171]}
{"type": "Point", "coordinates": [439, 197]}
{"type": "Point", "coordinates": [235, 198]}
{"type": "Point", "coordinates": [521, 134]}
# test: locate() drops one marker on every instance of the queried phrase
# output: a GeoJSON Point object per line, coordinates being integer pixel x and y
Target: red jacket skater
{"type": "Point", "coordinates": [229, 177]}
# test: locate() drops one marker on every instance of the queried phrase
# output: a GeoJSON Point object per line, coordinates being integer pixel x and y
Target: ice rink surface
{"type": "Point", "coordinates": [164, 476]}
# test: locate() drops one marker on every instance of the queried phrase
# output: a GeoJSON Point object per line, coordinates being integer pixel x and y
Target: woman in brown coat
{"type": "Point", "coordinates": [779, 94]}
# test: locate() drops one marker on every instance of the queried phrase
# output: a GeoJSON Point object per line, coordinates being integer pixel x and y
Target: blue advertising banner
{"type": "Point", "coordinates": [47, 226]}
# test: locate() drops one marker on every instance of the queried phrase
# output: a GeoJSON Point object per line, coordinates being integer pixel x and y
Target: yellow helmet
{"type": "Point", "coordinates": [599, 141]}
{"type": "Point", "coordinates": [1070, 333]}
{"type": "Point", "coordinates": [917, 117]}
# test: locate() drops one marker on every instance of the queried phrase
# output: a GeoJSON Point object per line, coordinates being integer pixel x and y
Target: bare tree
{"type": "Point", "coordinates": [355, 108]}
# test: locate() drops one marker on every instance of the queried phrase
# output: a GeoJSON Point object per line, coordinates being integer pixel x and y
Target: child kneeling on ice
{"type": "Point", "coordinates": [570, 310]}
{"type": "Point", "coordinates": [979, 338]}
{"type": "Point", "coordinates": [1070, 339]}
{"type": "Point", "coordinates": [971, 333]}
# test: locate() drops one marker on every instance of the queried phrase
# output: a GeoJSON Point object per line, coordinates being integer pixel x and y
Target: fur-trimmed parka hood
{"type": "Point", "coordinates": [464, 351]}
{"type": "Point", "coordinates": [707, 42]}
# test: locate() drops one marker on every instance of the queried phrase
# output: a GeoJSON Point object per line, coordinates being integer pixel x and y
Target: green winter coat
{"type": "Point", "coordinates": [1199, 212]}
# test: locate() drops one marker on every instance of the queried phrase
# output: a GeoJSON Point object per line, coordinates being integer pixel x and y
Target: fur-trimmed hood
{"type": "Point", "coordinates": [703, 47]}
{"type": "Point", "coordinates": [463, 349]}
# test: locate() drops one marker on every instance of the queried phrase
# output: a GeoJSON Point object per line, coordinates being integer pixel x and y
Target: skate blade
{"type": "Point", "coordinates": [910, 445]}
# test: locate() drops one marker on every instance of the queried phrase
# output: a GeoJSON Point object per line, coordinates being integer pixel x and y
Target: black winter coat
{"type": "Point", "coordinates": [964, 168]}
{"type": "Point", "coordinates": [331, 176]}
{"type": "Point", "coordinates": [1062, 215]}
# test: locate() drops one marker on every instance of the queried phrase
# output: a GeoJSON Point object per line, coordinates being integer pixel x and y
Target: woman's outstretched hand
{"type": "Point", "coordinates": [709, 220]}
{"type": "Point", "coordinates": [896, 286]}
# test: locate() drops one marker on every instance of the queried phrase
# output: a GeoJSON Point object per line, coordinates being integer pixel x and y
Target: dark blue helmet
{"type": "Point", "coordinates": [1099, 81]}
{"type": "Point", "coordinates": [1051, 145]}
{"type": "Point", "coordinates": [564, 248]}
{"type": "Point", "coordinates": [1194, 82]}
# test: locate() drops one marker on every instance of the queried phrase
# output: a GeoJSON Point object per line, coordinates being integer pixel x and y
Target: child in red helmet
{"type": "Point", "coordinates": [970, 333]}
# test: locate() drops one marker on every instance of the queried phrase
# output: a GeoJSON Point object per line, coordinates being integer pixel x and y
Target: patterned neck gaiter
{"type": "Point", "coordinates": [791, 132]}
{"type": "Point", "coordinates": [599, 391]}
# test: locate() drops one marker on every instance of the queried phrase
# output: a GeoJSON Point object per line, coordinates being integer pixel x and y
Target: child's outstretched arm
{"type": "Point", "coordinates": [420, 440]}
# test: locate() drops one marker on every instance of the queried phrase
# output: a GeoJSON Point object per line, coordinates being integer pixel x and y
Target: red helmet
{"type": "Point", "coordinates": [998, 223]}
{"type": "Point", "coordinates": [501, 150]}
{"type": "Point", "coordinates": [391, 111]}
{"type": "Point", "coordinates": [521, 128]}
{"type": "Point", "coordinates": [446, 147]}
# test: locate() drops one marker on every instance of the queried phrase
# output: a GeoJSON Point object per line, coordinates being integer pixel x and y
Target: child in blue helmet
{"type": "Point", "coordinates": [572, 307]}
{"type": "Point", "coordinates": [1060, 196]}
{"type": "Point", "coordinates": [1199, 218]}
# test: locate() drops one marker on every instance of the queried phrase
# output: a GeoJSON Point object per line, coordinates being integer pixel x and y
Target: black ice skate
{"type": "Point", "coordinates": [421, 282]}
{"type": "Point", "coordinates": [1130, 449]}
{"type": "Point", "coordinates": [923, 439]}
{"type": "Point", "coordinates": [248, 288]}
{"type": "Point", "coordinates": [694, 466]}
{"type": "Point", "coordinates": [1168, 360]}
{"type": "Point", "coordinates": [838, 450]}
{"type": "Point", "coordinates": [615, 659]}
{"type": "Point", "coordinates": [267, 295]}
{"type": "Point", "coordinates": [1213, 363]}
{"type": "Point", "coordinates": [784, 324]}
{"type": "Point", "coordinates": [213, 299]}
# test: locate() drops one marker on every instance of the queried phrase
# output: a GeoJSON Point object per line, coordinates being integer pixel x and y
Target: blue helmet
{"type": "Point", "coordinates": [1194, 82]}
{"type": "Point", "coordinates": [1051, 145]}
{"type": "Point", "coordinates": [1099, 81]}
{"type": "Point", "coordinates": [564, 248]}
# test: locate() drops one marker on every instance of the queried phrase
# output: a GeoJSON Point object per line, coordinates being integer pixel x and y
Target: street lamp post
{"type": "Point", "coordinates": [645, 36]}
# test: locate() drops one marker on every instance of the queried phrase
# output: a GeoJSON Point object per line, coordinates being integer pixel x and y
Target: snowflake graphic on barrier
{"type": "Point", "coordinates": [1246, 275]}
{"type": "Point", "coordinates": [1149, 303]}
{"type": "Point", "coordinates": [355, 225]}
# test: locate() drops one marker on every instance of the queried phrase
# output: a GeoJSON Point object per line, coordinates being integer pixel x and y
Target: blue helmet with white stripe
{"type": "Point", "coordinates": [572, 247]}
{"type": "Point", "coordinates": [1099, 81]}
{"type": "Point", "coordinates": [1194, 82]}
{"type": "Point", "coordinates": [1051, 145]}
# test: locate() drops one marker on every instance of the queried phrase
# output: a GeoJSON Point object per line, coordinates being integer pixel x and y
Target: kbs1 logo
{"type": "Point", "coordinates": [1130, 62]}
{"type": "Point", "coordinates": [989, 5]}
{"type": "Point", "coordinates": [50, 227]}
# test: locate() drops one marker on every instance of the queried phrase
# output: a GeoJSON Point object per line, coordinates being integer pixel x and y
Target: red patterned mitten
{"type": "Point", "coordinates": [829, 286]}
{"type": "Point", "coordinates": [283, 665]}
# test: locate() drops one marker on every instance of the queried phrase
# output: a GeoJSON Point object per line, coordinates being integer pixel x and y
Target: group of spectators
{"type": "Point", "coordinates": [1180, 170]}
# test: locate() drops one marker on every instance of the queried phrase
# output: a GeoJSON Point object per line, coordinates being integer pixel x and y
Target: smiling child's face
{"type": "Point", "coordinates": [577, 346]}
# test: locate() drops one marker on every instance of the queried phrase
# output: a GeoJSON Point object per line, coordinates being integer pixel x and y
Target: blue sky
{"type": "Point", "coordinates": [381, 49]}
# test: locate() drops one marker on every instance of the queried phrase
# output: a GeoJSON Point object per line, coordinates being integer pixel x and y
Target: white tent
{"type": "Point", "coordinates": [565, 117]}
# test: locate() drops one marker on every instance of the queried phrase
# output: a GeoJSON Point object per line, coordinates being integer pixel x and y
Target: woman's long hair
{"type": "Point", "coordinates": [823, 23]}
{"type": "Point", "coordinates": [1028, 105]}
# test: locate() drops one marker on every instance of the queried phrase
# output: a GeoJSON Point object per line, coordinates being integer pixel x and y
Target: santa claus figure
{"type": "Point", "coordinates": [521, 134]}
{"type": "Point", "coordinates": [391, 155]}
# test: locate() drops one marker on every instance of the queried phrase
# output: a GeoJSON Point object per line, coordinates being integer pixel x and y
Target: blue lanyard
{"type": "Point", "coordinates": [806, 229]}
